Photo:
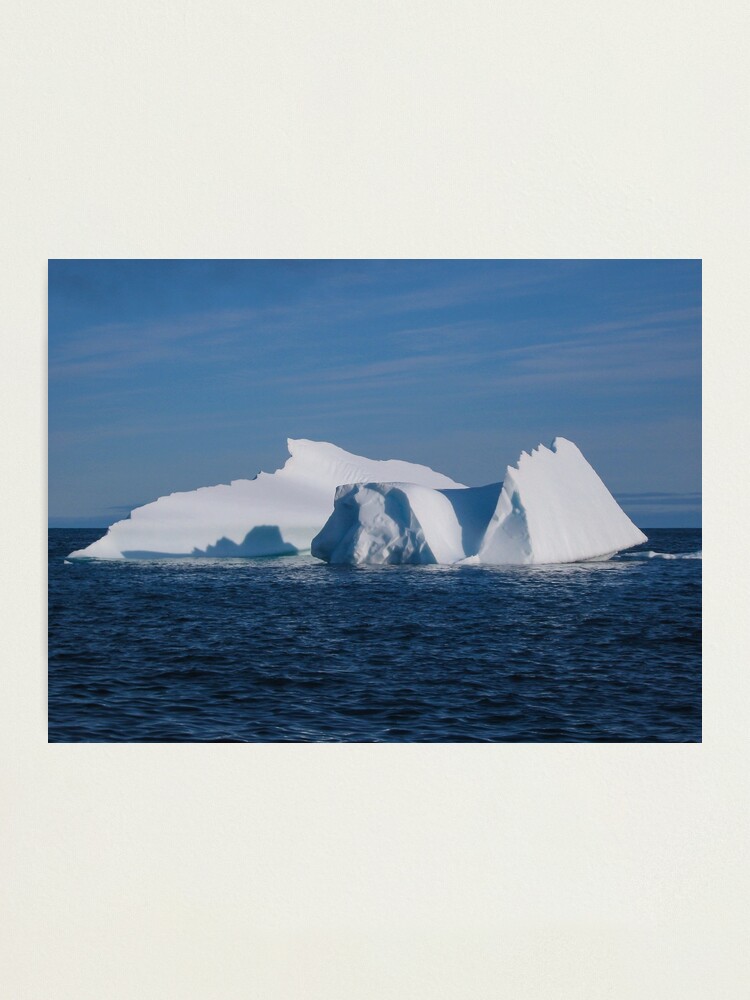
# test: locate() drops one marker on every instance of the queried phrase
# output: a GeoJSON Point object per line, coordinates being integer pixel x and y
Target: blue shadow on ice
{"type": "Point", "coordinates": [474, 508]}
{"type": "Point", "coordinates": [262, 540]}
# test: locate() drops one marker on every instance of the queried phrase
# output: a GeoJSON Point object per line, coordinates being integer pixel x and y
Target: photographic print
{"type": "Point", "coordinates": [374, 501]}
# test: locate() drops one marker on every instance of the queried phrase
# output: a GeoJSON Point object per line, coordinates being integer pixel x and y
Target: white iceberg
{"type": "Point", "coordinates": [272, 514]}
{"type": "Point", "coordinates": [550, 508]}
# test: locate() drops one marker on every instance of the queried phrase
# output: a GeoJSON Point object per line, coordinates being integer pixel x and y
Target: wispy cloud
{"type": "Point", "coordinates": [665, 317]}
{"type": "Point", "coordinates": [117, 346]}
{"type": "Point", "coordinates": [638, 353]}
{"type": "Point", "coordinates": [221, 334]}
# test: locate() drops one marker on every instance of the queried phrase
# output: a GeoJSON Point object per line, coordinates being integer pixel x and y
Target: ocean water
{"type": "Point", "coordinates": [291, 649]}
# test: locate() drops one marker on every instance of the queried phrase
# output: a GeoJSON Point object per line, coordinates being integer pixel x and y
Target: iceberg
{"type": "Point", "coordinates": [273, 514]}
{"type": "Point", "coordinates": [551, 507]}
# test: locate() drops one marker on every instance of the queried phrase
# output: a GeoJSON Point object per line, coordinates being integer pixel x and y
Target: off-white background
{"type": "Point", "coordinates": [360, 129]}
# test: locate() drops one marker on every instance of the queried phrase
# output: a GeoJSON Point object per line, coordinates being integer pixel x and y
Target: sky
{"type": "Point", "coordinates": [168, 375]}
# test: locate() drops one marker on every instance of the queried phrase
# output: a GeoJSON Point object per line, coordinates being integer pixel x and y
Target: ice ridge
{"type": "Point", "coordinates": [551, 507]}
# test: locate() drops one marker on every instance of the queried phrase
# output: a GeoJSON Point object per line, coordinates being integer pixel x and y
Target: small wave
{"type": "Point", "coordinates": [675, 555]}
{"type": "Point", "coordinates": [650, 554]}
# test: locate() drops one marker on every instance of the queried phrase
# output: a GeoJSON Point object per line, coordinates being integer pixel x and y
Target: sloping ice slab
{"type": "Point", "coordinates": [273, 514]}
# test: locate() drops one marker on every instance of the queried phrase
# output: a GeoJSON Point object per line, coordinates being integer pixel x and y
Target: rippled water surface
{"type": "Point", "coordinates": [293, 649]}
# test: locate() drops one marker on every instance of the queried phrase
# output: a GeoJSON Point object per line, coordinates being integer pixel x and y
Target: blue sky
{"type": "Point", "coordinates": [169, 375]}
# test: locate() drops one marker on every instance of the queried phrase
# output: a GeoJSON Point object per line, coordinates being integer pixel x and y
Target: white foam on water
{"type": "Point", "coordinates": [650, 554]}
{"type": "Point", "coordinates": [675, 555]}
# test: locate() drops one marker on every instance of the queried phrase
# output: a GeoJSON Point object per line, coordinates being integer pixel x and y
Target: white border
{"type": "Point", "coordinates": [229, 129]}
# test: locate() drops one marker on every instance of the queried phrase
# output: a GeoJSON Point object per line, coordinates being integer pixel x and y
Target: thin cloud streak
{"type": "Point", "coordinates": [630, 359]}
{"type": "Point", "coordinates": [114, 346]}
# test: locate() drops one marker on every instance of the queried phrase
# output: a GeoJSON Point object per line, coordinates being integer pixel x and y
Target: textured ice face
{"type": "Point", "coordinates": [552, 507]}
{"type": "Point", "coordinates": [377, 523]}
{"type": "Point", "coordinates": [273, 514]}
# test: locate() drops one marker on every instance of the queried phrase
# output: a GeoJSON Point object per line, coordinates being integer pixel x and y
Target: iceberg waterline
{"type": "Point", "coordinates": [346, 509]}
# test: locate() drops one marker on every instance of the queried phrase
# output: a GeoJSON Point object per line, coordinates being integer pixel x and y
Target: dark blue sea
{"type": "Point", "coordinates": [291, 649]}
